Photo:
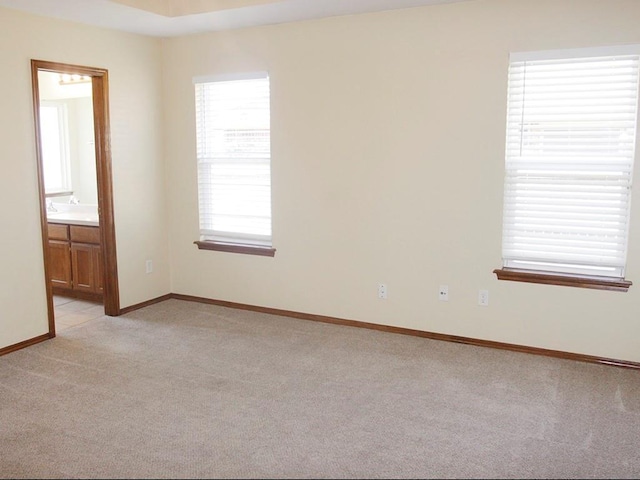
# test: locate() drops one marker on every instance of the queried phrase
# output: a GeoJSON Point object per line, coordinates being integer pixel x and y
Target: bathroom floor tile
{"type": "Point", "coordinates": [70, 312]}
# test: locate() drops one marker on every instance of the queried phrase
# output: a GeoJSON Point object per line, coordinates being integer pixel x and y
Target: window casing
{"type": "Point", "coordinates": [234, 160]}
{"type": "Point", "coordinates": [571, 134]}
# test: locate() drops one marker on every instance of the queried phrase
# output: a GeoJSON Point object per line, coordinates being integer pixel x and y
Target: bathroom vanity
{"type": "Point", "coordinates": [75, 254]}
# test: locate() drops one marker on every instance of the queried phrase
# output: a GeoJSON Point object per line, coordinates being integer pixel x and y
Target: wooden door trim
{"type": "Point", "coordinates": [100, 87]}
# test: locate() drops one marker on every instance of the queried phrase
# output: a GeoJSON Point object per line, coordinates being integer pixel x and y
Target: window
{"type": "Point", "coordinates": [54, 133]}
{"type": "Point", "coordinates": [571, 134]}
{"type": "Point", "coordinates": [234, 163]}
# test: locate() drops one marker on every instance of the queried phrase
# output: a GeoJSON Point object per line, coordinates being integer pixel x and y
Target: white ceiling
{"type": "Point", "coordinates": [223, 15]}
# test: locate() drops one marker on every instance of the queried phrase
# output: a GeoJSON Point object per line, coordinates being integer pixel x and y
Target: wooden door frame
{"type": "Point", "coordinates": [100, 90]}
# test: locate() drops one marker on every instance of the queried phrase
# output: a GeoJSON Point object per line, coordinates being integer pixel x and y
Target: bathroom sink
{"type": "Point", "coordinates": [74, 214]}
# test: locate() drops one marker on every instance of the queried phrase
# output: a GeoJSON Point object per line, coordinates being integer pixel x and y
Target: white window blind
{"type": "Point", "coordinates": [234, 160]}
{"type": "Point", "coordinates": [571, 130]}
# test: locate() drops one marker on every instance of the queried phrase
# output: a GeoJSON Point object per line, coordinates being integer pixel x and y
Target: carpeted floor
{"type": "Point", "coordinates": [185, 390]}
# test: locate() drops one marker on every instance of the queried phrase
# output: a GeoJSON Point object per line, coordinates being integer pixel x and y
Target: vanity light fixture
{"type": "Point", "coordinates": [72, 79]}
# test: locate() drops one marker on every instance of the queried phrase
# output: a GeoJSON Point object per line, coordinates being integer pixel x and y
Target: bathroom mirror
{"type": "Point", "coordinates": [67, 135]}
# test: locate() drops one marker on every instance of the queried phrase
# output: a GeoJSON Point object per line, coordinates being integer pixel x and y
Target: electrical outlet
{"type": "Point", "coordinates": [382, 290]}
{"type": "Point", "coordinates": [483, 298]}
{"type": "Point", "coordinates": [149, 266]}
{"type": "Point", "coordinates": [443, 293]}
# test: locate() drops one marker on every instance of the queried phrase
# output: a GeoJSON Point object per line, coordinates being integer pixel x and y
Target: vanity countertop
{"type": "Point", "coordinates": [74, 215]}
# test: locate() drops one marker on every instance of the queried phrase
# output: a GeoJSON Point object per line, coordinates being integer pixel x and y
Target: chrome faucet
{"type": "Point", "coordinates": [50, 207]}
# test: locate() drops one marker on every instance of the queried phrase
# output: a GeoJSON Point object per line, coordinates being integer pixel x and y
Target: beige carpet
{"type": "Point", "coordinates": [185, 390]}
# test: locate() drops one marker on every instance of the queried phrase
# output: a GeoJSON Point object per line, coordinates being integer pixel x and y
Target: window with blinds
{"type": "Point", "coordinates": [234, 159]}
{"type": "Point", "coordinates": [571, 134]}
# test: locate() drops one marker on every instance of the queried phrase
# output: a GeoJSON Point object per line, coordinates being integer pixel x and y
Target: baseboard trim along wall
{"type": "Point", "coordinates": [24, 344]}
{"type": "Point", "coordinates": [416, 333]}
{"type": "Point", "coordinates": [358, 324]}
{"type": "Point", "coordinates": [138, 306]}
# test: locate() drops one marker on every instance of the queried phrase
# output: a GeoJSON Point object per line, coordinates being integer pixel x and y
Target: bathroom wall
{"type": "Point", "coordinates": [83, 159]}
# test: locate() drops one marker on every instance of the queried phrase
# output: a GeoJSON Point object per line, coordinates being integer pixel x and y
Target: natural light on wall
{"type": "Point", "coordinates": [55, 143]}
{"type": "Point", "coordinates": [571, 135]}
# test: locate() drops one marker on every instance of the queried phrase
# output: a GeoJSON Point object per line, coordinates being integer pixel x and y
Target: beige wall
{"type": "Point", "coordinates": [387, 166]}
{"type": "Point", "coordinates": [374, 117]}
{"type": "Point", "coordinates": [134, 64]}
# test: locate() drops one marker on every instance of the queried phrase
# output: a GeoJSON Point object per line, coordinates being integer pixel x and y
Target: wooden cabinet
{"type": "Point", "coordinates": [75, 260]}
{"type": "Point", "coordinates": [60, 263]}
{"type": "Point", "coordinates": [59, 256]}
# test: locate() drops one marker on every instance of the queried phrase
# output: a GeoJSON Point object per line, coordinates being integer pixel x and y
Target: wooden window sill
{"type": "Point", "coordinates": [236, 248]}
{"type": "Point", "coordinates": [549, 278]}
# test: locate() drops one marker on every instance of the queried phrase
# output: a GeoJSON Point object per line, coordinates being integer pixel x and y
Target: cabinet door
{"type": "Point", "coordinates": [59, 264]}
{"type": "Point", "coordinates": [83, 266]}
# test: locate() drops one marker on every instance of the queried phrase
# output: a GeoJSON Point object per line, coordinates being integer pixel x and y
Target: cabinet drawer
{"type": "Point", "coordinates": [85, 234]}
{"type": "Point", "coordinates": [57, 231]}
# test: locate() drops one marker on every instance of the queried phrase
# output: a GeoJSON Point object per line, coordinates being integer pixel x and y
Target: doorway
{"type": "Point", "coordinates": [79, 243]}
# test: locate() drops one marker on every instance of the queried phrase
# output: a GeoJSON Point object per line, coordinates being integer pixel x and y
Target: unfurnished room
{"type": "Point", "coordinates": [319, 239]}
